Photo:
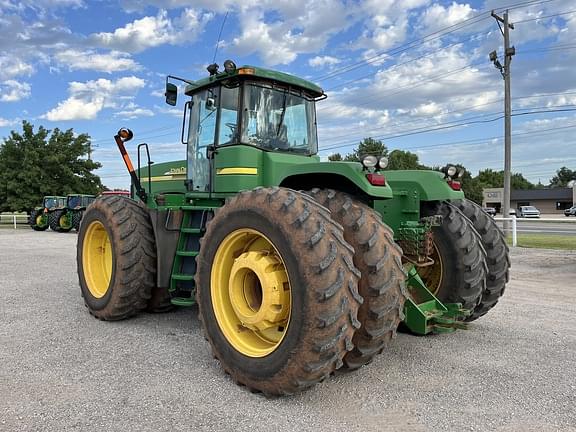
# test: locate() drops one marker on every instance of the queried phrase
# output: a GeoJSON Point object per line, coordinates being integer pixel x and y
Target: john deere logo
{"type": "Point", "coordinates": [176, 171]}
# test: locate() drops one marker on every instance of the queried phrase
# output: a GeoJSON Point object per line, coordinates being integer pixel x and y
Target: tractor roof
{"type": "Point", "coordinates": [254, 72]}
{"type": "Point", "coordinates": [81, 195]}
{"type": "Point", "coordinates": [53, 196]}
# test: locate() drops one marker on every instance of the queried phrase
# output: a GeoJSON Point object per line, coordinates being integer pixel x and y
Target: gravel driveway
{"type": "Point", "coordinates": [61, 369]}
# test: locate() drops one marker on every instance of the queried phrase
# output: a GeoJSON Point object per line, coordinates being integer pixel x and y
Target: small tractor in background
{"type": "Point", "coordinates": [69, 217]}
{"type": "Point", "coordinates": [39, 218]}
{"type": "Point", "coordinates": [299, 267]}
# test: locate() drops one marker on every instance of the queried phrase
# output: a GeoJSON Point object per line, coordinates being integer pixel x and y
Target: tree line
{"type": "Point", "coordinates": [471, 185]}
{"type": "Point", "coordinates": [45, 162]}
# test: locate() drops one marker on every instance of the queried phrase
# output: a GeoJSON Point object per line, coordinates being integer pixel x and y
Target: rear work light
{"type": "Point", "coordinates": [376, 179]}
{"type": "Point", "coordinates": [455, 185]}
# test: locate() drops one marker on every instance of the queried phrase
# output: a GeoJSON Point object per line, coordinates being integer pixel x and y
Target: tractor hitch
{"type": "Point", "coordinates": [424, 313]}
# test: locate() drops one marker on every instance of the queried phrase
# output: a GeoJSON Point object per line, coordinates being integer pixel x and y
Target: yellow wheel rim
{"type": "Point", "coordinates": [432, 275]}
{"type": "Point", "coordinates": [97, 259]}
{"type": "Point", "coordinates": [251, 295]}
{"type": "Point", "coordinates": [39, 220]}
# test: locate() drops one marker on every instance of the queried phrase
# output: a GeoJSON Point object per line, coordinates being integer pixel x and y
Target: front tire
{"type": "Point", "coordinates": [277, 290]}
{"type": "Point", "coordinates": [53, 220]}
{"type": "Point", "coordinates": [116, 258]}
{"type": "Point", "coordinates": [458, 274]}
{"type": "Point", "coordinates": [36, 221]}
{"type": "Point", "coordinates": [382, 281]}
{"type": "Point", "coordinates": [497, 256]}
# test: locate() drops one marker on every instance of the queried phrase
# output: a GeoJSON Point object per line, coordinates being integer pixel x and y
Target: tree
{"type": "Point", "coordinates": [563, 177]}
{"type": "Point", "coordinates": [335, 157]}
{"type": "Point", "coordinates": [495, 179]}
{"type": "Point", "coordinates": [471, 186]}
{"type": "Point", "coordinates": [368, 146]}
{"type": "Point", "coordinates": [35, 164]}
{"type": "Point", "coordinates": [403, 160]}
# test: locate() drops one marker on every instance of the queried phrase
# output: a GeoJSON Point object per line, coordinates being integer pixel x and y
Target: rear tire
{"type": "Point", "coordinates": [382, 281]}
{"type": "Point", "coordinates": [290, 229]}
{"type": "Point", "coordinates": [497, 255]}
{"type": "Point", "coordinates": [61, 219]}
{"type": "Point", "coordinates": [459, 272]}
{"type": "Point", "coordinates": [116, 258]}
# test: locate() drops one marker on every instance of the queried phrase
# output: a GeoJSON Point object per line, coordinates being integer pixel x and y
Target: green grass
{"type": "Point", "coordinates": [543, 241]}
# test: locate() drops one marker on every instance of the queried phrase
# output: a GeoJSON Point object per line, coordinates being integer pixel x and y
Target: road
{"type": "Point", "coordinates": [63, 370]}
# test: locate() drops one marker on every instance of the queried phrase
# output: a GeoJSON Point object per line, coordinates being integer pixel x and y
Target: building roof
{"type": "Point", "coordinates": [541, 194]}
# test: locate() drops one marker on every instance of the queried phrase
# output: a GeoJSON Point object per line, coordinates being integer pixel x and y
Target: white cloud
{"type": "Point", "coordinates": [114, 61]}
{"type": "Point", "coordinates": [133, 111]}
{"type": "Point", "coordinates": [6, 123]}
{"type": "Point", "coordinates": [75, 108]}
{"type": "Point", "coordinates": [438, 16]}
{"type": "Point", "coordinates": [301, 27]}
{"type": "Point", "coordinates": [323, 61]}
{"type": "Point", "coordinates": [152, 31]}
{"type": "Point", "coordinates": [215, 5]}
{"type": "Point", "coordinates": [89, 98]}
{"type": "Point", "coordinates": [11, 67]}
{"type": "Point", "coordinates": [13, 91]}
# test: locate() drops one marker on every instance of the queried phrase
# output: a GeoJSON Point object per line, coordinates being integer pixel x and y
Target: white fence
{"type": "Point", "coordinates": [13, 219]}
{"type": "Point", "coordinates": [513, 229]}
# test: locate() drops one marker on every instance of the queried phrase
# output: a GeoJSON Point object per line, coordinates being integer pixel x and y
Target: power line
{"type": "Point", "coordinates": [452, 112]}
{"type": "Point", "coordinates": [421, 131]}
{"type": "Point", "coordinates": [420, 41]}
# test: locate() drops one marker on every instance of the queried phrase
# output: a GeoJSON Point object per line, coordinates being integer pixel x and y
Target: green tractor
{"type": "Point", "coordinates": [39, 218]}
{"type": "Point", "coordinates": [69, 217]}
{"type": "Point", "coordinates": [299, 267]}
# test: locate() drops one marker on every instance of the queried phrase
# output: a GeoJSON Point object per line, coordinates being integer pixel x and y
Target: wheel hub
{"type": "Point", "coordinates": [258, 290]}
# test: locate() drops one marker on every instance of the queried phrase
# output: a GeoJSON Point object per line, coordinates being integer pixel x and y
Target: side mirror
{"type": "Point", "coordinates": [171, 94]}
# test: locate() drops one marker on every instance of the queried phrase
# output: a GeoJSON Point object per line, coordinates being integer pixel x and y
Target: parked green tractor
{"type": "Point", "coordinates": [299, 267]}
{"type": "Point", "coordinates": [69, 217]}
{"type": "Point", "coordinates": [39, 218]}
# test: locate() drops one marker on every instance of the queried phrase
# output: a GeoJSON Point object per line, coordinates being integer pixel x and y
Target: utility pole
{"type": "Point", "coordinates": [505, 71]}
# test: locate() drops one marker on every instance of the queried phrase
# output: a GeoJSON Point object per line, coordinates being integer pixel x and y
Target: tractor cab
{"type": "Point", "coordinates": [77, 201]}
{"type": "Point", "coordinates": [251, 107]}
{"type": "Point", "coordinates": [54, 202]}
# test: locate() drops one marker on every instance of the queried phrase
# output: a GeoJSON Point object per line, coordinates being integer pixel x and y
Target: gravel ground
{"type": "Point", "coordinates": [60, 369]}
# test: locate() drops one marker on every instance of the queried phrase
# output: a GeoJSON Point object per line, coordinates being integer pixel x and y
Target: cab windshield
{"type": "Point", "coordinates": [73, 201]}
{"type": "Point", "coordinates": [277, 119]}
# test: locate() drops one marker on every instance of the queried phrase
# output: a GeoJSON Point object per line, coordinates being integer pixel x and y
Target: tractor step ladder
{"type": "Point", "coordinates": [182, 284]}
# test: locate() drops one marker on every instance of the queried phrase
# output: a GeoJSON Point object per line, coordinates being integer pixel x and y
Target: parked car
{"type": "Point", "coordinates": [490, 210]}
{"type": "Point", "coordinates": [571, 211]}
{"type": "Point", "coordinates": [528, 211]}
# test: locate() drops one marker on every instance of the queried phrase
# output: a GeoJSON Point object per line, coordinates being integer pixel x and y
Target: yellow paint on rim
{"type": "Point", "coordinates": [237, 170]}
{"type": "Point", "coordinates": [38, 219]}
{"type": "Point", "coordinates": [250, 291]}
{"type": "Point", "coordinates": [97, 259]}
{"type": "Point", "coordinates": [433, 275]}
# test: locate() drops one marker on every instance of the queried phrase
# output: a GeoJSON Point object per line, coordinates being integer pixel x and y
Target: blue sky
{"type": "Point", "coordinates": [414, 73]}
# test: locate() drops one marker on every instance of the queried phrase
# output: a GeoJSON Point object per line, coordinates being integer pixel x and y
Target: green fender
{"type": "Point", "coordinates": [429, 185]}
{"type": "Point", "coordinates": [344, 176]}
